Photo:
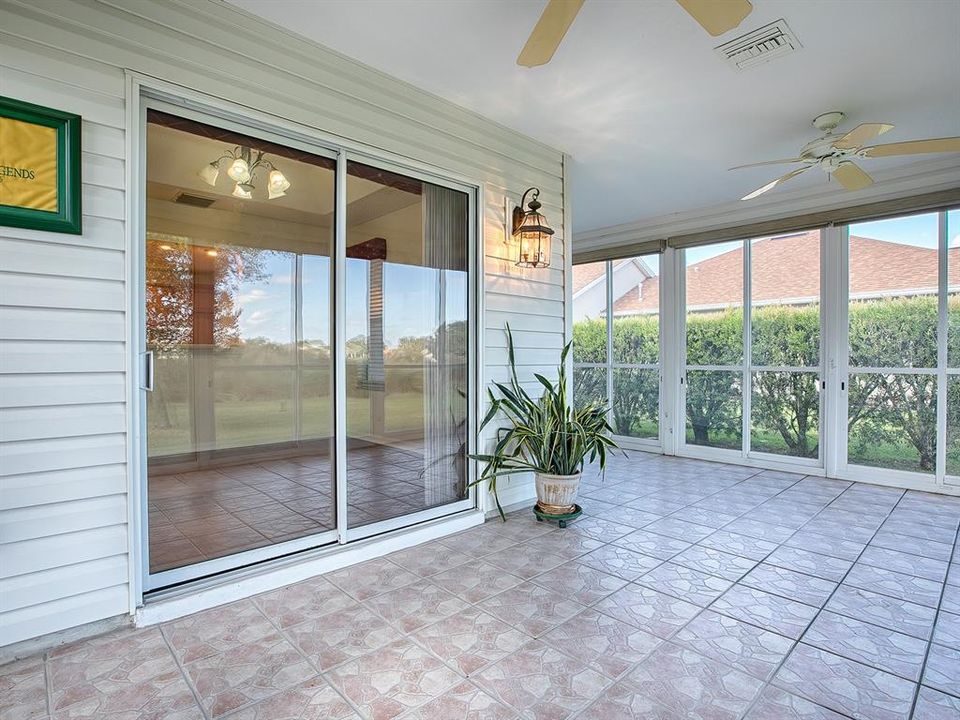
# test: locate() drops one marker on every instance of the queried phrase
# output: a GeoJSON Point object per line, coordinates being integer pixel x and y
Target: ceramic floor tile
{"type": "Point", "coordinates": [651, 611]}
{"type": "Point", "coordinates": [947, 630]}
{"type": "Point", "coordinates": [463, 702]}
{"type": "Point", "coordinates": [771, 612]}
{"type": "Point", "coordinates": [371, 578]}
{"type": "Point", "coordinates": [811, 563]}
{"type": "Point", "coordinates": [246, 673]}
{"type": "Point", "coordinates": [314, 699]}
{"type": "Point", "coordinates": [603, 642]}
{"type": "Point", "coordinates": [416, 605]}
{"type": "Point", "coordinates": [294, 604]}
{"type": "Point", "coordinates": [845, 686]}
{"type": "Point", "coordinates": [478, 541]}
{"type": "Point", "coordinates": [623, 702]}
{"type": "Point", "coordinates": [542, 683]}
{"type": "Point", "coordinates": [742, 545]}
{"type": "Point", "coordinates": [429, 559]}
{"type": "Point", "coordinates": [582, 583]}
{"type": "Point", "coordinates": [680, 529]}
{"type": "Point", "coordinates": [476, 581]}
{"type": "Point", "coordinates": [715, 562]}
{"type": "Point", "coordinates": [389, 681]}
{"type": "Point", "coordinates": [742, 646]}
{"type": "Point", "coordinates": [341, 635]}
{"type": "Point", "coordinates": [525, 562]}
{"type": "Point", "coordinates": [620, 561]}
{"type": "Point", "coordinates": [777, 704]}
{"type": "Point", "coordinates": [131, 673]}
{"type": "Point", "coordinates": [935, 705]}
{"type": "Point", "coordinates": [685, 583]}
{"type": "Point", "coordinates": [869, 644]}
{"type": "Point", "coordinates": [471, 640]}
{"type": "Point", "coordinates": [912, 545]}
{"type": "Point", "coordinates": [789, 584]}
{"type": "Point", "coordinates": [531, 608]}
{"type": "Point", "coordinates": [897, 585]}
{"type": "Point", "coordinates": [943, 669]}
{"type": "Point", "coordinates": [825, 544]}
{"type": "Point", "coordinates": [601, 529]}
{"type": "Point", "coordinates": [653, 544]}
{"type": "Point", "coordinates": [905, 563]}
{"type": "Point", "coordinates": [686, 682]}
{"type": "Point", "coordinates": [883, 610]}
{"type": "Point", "coordinates": [23, 690]}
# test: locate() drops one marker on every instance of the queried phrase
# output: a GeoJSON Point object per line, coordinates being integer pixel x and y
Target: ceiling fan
{"type": "Point", "coordinates": [716, 17]}
{"type": "Point", "coordinates": [835, 152]}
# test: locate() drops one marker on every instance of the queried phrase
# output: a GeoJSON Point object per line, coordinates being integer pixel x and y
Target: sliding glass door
{"type": "Point", "coordinates": [752, 381]}
{"type": "Point", "coordinates": [243, 364]}
{"type": "Point", "coordinates": [616, 344]}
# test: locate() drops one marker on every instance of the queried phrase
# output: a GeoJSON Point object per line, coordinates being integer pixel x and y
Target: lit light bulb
{"type": "Point", "coordinates": [212, 253]}
{"type": "Point", "coordinates": [166, 247]}
{"type": "Point", "coordinates": [277, 185]}
{"type": "Point", "coordinates": [239, 171]}
{"type": "Point", "coordinates": [209, 174]}
{"type": "Point", "coordinates": [243, 190]}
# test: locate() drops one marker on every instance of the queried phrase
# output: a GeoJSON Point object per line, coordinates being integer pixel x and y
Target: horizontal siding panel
{"type": "Point", "coordinates": [550, 357]}
{"type": "Point", "coordinates": [28, 456]}
{"type": "Point", "coordinates": [499, 319]}
{"type": "Point", "coordinates": [99, 107]}
{"type": "Point", "coordinates": [63, 389]}
{"type": "Point", "coordinates": [34, 423]}
{"type": "Point", "coordinates": [104, 140]}
{"type": "Point", "coordinates": [64, 613]}
{"type": "Point", "coordinates": [57, 486]}
{"type": "Point", "coordinates": [497, 338]}
{"type": "Point", "coordinates": [47, 62]}
{"type": "Point", "coordinates": [51, 258]}
{"type": "Point", "coordinates": [61, 292]}
{"type": "Point", "coordinates": [522, 305]}
{"type": "Point", "coordinates": [31, 556]}
{"type": "Point", "coordinates": [50, 585]}
{"type": "Point", "coordinates": [55, 324]}
{"type": "Point", "coordinates": [59, 518]}
{"type": "Point", "coordinates": [48, 356]}
{"type": "Point", "coordinates": [514, 287]}
{"type": "Point", "coordinates": [103, 202]}
{"type": "Point", "coordinates": [103, 171]}
{"type": "Point", "coordinates": [101, 233]}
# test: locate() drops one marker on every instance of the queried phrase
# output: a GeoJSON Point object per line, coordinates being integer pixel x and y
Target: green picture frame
{"type": "Point", "coordinates": [69, 213]}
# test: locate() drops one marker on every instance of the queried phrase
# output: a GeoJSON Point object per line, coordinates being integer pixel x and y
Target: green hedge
{"type": "Point", "coordinates": [893, 411]}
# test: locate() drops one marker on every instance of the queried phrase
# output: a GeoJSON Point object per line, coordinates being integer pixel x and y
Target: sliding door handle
{"type": "Point", "coordinates": [148, 371]}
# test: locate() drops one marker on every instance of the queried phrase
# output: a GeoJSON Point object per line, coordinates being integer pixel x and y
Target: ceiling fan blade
{"type": "Point", "coordinates": [548, 32]}
{"type": "Point", "coordinates": [852, 177]}
{"type": "Point", "coordinates": [778, 181]}
{"type": "Point", "coordinates": [717, 16]}
{"type": "Point", "coordinates": [861, 134]}
{"type": "Point", "coordinates": [768, 162]}
{"type": "Point", "coordinates": [914, 147]}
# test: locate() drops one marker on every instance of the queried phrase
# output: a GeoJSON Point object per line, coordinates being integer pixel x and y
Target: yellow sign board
{"type": "Point", "coordinates": [28, 165]}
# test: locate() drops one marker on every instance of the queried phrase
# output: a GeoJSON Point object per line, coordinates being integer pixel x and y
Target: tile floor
{"type": "Point", "coordinates": [715, 592]}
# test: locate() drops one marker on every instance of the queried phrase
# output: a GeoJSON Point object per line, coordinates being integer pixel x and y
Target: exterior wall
{"type": "Point", "coordinates": [65, 329]}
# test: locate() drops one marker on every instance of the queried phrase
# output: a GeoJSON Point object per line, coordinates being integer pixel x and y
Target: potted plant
{"type": "Point", "coordinates": [547, 436]}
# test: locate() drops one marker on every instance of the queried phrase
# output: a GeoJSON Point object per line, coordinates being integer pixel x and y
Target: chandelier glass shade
{"type": "Point", "coordinates": [241, 165]}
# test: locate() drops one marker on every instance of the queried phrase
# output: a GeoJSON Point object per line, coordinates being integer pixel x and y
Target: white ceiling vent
{"type": "Point", "coordinates": [759, 46]}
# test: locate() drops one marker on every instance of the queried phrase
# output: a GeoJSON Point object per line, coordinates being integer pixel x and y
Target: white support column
{"type": "Point", "coordinates": [746, 389]}
{"type": "Point", "coordinates": [672, 350]}
{"type": "Point", "coordinates": [942, 336]}
{"type": "Point", "coordinates": [339, 325]}
{"type": "Point", "coordinates": [834, 346]}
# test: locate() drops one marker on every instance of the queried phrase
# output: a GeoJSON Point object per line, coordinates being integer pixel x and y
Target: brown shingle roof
{"type": "Point", "coordinates": [875, 266]}
{"type": "Point", "coordinates": [585, 274]}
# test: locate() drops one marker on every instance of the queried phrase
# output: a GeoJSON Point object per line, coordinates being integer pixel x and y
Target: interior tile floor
{"type": "Point", "coordinates": [687, 590]}
{"type": "Point", "coordinates": [205, 514]}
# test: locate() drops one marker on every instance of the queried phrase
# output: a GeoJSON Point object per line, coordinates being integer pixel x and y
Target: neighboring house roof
{"type": "Point", "coordinates": [585, 274]}
{"type": "Point", "coordinates": [877, 267]}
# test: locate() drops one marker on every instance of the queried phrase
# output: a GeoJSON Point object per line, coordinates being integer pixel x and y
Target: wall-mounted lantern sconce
{"type": "Point", "coordinates": [532, 232]}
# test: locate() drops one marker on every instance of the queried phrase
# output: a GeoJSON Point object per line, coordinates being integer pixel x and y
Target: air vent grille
{"type": "Point", "coordinates": [760, 46]}
{"type": "Point", "coordinates": [194, 200]}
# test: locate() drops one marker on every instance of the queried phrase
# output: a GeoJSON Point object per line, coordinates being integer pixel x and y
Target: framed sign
{"type": "Point", "coordinates": [39, 167]}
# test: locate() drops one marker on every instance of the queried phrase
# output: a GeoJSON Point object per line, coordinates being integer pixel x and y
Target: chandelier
{"type": "Point", "coordinates": [241, 164]}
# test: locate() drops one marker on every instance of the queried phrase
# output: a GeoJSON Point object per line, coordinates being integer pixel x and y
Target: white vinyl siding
{"type": "Point", "coordinates": [64, 299]}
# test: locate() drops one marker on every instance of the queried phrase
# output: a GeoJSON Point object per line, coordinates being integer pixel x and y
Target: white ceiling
{"type": "Point", "coordinates": [651, 115]}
